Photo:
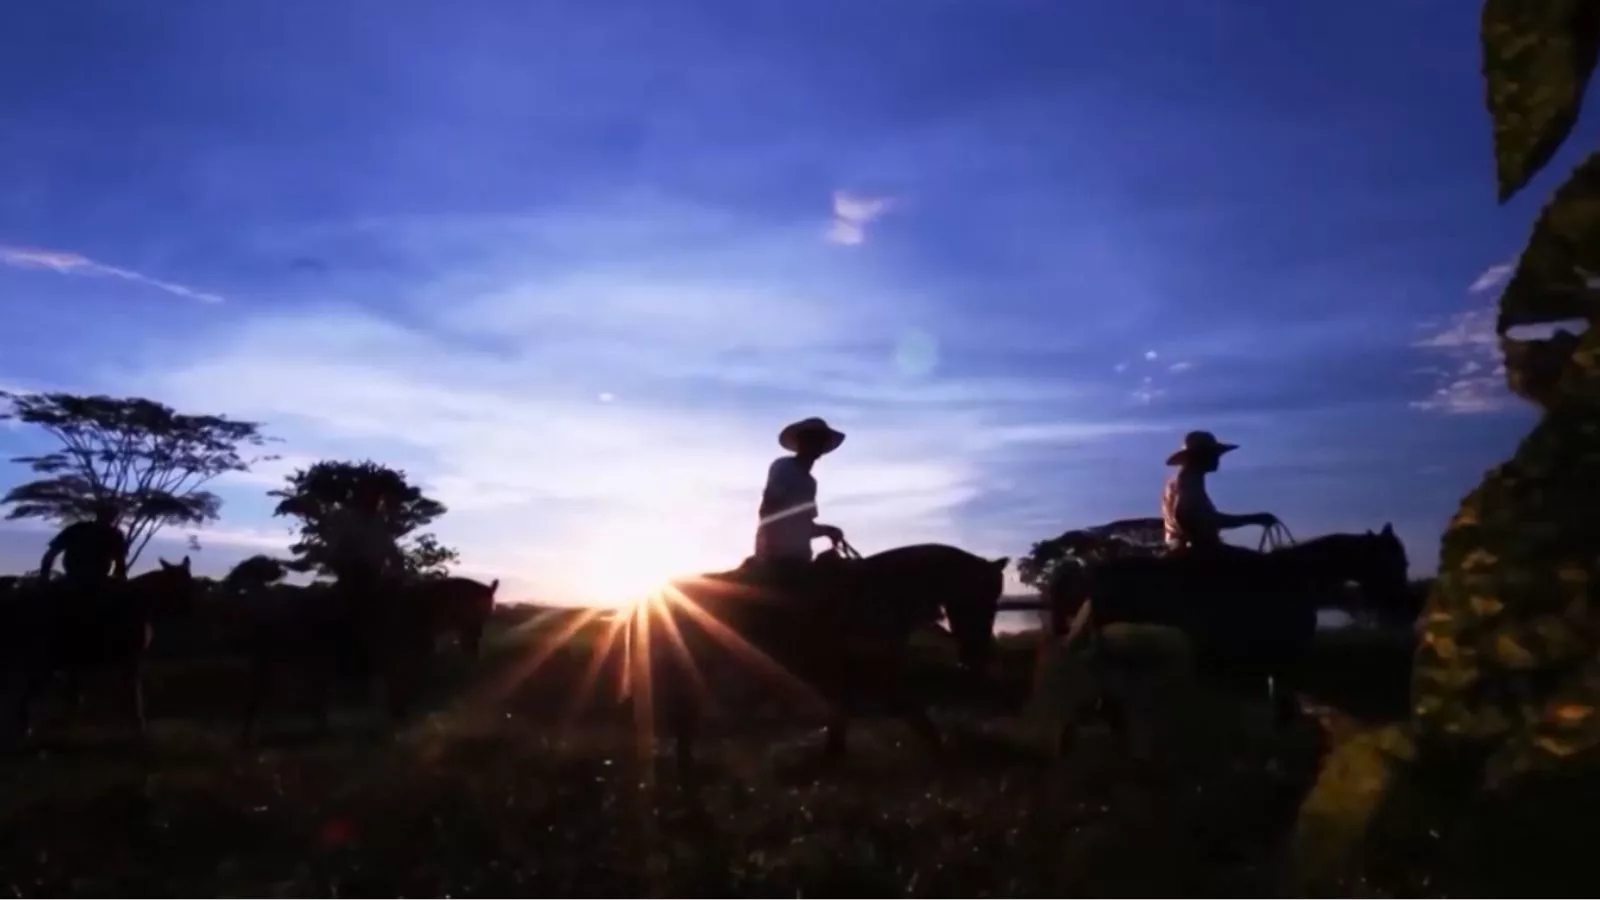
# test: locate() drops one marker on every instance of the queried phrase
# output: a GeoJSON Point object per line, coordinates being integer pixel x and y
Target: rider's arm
{"type": "Point", "coordinates": [47, 561]}
{"type": "Point", "coordinates": [1226, 521]}
{"type": "Point", "coordinates": [57, 544]}
{"type": "Point", "coordinates": [120, 564]}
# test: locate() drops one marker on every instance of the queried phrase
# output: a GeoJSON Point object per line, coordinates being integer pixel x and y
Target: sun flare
{"type": "Point", "coordinates": [622, 564]}
{"type": "Point", "coordinates": [623, 584]}
{"type": "Point", "coordinates": [624, 591]}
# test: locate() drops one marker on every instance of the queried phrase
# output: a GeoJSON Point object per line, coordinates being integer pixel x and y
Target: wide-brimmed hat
{"type": "Point", "coordinates": [1199, 445]}
{"type": "Point", "coordinates": [789, 437]}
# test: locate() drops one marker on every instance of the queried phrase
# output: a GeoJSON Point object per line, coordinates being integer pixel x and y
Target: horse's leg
{"type": "Point", "coordinates": [30, 679]}
{"type": "Point", "coordinates": [910, 709]}
{"type": "Point", "coordinates": [320, 674]}
{"type": "Point", "coordinates": [134, 684]}
{"type": "Point", "coordinates": [471, 639]}
{"type": "Point", "coordinates": [838, 733]}
{"type": "Point", "coordinates": [404, 674]}
{"type": "Point", "coordinates": [684, 719]}
{"type": "Point", "coordinates": [256, 689]}
{"type": "Point", "coordinates": [74, 690]}
{"type": "Point", "coordinates": [1285, 689]}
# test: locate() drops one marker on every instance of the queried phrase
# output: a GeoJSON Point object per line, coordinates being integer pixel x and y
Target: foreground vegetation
{"type": "Point", "coordinates": [512, 786]}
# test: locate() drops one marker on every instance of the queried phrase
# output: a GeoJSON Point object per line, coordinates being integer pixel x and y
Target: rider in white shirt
{"type": "Point", "coordinates": [1192, 522]}
{"type": "Point", "coordinates": [788, 514]}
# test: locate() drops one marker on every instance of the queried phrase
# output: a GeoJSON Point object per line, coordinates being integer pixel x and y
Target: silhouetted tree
{"type": "Point", "coordinates": [149, 460]}
{"type": "Point", "coordinates": [257, 570]}
{"type": "Point", "coordinates": [1084, 545]}
{"type": "Point", "coordinates": [313, 493]}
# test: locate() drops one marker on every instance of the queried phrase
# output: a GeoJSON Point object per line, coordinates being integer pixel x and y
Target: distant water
{"type": "Point", "coordinates": [1026, 620]}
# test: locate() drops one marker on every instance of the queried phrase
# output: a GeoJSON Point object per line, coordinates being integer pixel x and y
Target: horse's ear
{"type": "Point", "coordinates": [494, 585]}
{"type": "Point", "coordinates": [185, 563]}
{"type": "Point", "coordinates": [1001, 563]}
{"type": "Point", "coordinates": [1388, 530]}
{"type": "Point", "coordinates": [164, 564]}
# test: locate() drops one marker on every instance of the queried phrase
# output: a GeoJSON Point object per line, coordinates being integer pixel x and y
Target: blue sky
{"type": "Point", "coordinates": [573, 265]}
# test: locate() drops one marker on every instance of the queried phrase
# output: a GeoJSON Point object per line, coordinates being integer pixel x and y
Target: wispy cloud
{"type": "Point", "coordinates": [631, 440]}
{"type": "Point", "coordinates": [1492, 277]}
{"type": "Point", "coordinates": [67, 263]}
{"type": "Point", "coordinates": [851, 215]}
{"type": "Point", "coordinates": [1470, 377]}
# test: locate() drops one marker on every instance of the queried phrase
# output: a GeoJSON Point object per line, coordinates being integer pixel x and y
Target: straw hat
{"type": "Point", "coordinates": [1199, 444]}
{"type": "Point", "coordinates": [789, 437]}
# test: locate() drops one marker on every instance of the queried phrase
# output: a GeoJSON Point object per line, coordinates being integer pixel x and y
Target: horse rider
{"type": "Point", "coordinates": [362, 550]}
{"type": "Point", "coordinates": [1192, 524]}
{"type": "Point", "coordinates": [93, 552]}
{"type": "Point", "coordinates": [788, 513]}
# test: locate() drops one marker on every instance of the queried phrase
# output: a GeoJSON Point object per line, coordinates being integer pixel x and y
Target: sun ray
{"type": "Point", "coordinates": [598, 657]}
{"type": "Point", "coordinates": [697, 681]}
{"type": "Point", "coordinates": [742, 649]}
{"type": "Point", "coordinates": [545, 647]}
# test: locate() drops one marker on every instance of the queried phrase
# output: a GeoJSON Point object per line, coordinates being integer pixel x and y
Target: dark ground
{"type": "Point", "coordinates": [511, 787]}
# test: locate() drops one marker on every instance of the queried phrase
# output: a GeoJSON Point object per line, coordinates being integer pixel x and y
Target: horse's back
{"type": "Point", "coordinates": [935, 567]}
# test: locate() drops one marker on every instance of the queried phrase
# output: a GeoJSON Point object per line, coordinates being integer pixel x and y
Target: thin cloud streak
{"type": "Point", "coordinates": [66, 263]}
{"type": "Point", "coordinates": [1492, 277]}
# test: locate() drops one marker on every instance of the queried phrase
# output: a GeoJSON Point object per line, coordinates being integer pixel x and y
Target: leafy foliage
{"type": "Point", "coordinates": [313, 494]}
{"type": "Point", "coordinates": [1557, 280]}
{"type": "Point", "coordinates": [1508, 659]}
{"type": "Point", "coordinates": [1506, 669]}
{"type": "Point", "coordinates": [1506, 679]}
{"type": "Point", "coordinates": [1088, 545]}
{"type": "Point", "coordinates": [1554, 278]}
{"type": "Point", "coordinates": [150, 461]}
{"type": "Point", "coordinates": [1537, 58]}
{"type": "Point", "coordinates": [257, 570]}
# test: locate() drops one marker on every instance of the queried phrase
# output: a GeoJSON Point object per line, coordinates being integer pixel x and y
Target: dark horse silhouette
{"type": "Point", "coordinates": [319, 631]}
{"type": "Point", "coordinates": [839, 643]}
{"type": "Point", "coordinates": [50, 630]}
{"type": "Point", "coordinates": [1248, 618]}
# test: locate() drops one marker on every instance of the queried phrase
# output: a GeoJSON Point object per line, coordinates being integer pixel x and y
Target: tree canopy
{"type": "Point", "coordinates": [1081, 545]}
{"type": "Point", "coordinates": [312, 494]}
{"type": "Point", "coordinates": [148, 460]}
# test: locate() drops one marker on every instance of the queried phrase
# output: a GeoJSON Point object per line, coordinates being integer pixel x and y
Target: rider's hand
{"type": "Point", "coordinates": [832, 532]}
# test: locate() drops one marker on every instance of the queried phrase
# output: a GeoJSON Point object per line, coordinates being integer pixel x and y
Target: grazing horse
{"type": "Point", "coordinates": [317, 629]}
{"type": "Point", "coordinates": [460, 605]}
{"type": "Point", "coordinates": [843, 640]}
{"type": "Point", "coordinates": [52, 631]}
{"type": "Point", "coordinates": [1254, 617]}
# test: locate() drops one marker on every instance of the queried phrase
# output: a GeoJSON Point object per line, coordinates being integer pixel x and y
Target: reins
{"type": "Point", "coordinates": [1275, 537]}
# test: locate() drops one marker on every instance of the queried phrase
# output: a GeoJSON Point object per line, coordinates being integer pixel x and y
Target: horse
{"type": "Point", "coordinates": [460, 605]}
{"type": "Point", "coordinates": [1251, 618]}
{"type": "Point", "coordinates": [841, 641]}
{"type": "Point", "coordinates": [389, 639]}
{"type": "Point", "coordinates": [52, 630]}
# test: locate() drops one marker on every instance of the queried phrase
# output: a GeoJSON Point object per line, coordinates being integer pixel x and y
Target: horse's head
{"type": "Point", "coordinates": [1375, 562]}
{"type": "Point", "coordinates": [970, 606]}
{"type": "Point", "coordinates": [1382, 572]}
{"type": "Point", "coordinates": [169, 589]}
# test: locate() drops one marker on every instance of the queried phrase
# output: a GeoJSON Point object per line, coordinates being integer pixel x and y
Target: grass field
{"type": "Point", "coordinates": [511, 787]}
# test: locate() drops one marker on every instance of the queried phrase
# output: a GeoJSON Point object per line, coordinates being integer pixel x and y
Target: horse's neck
{"type": "Point", "coordinates": [1327, 557]}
